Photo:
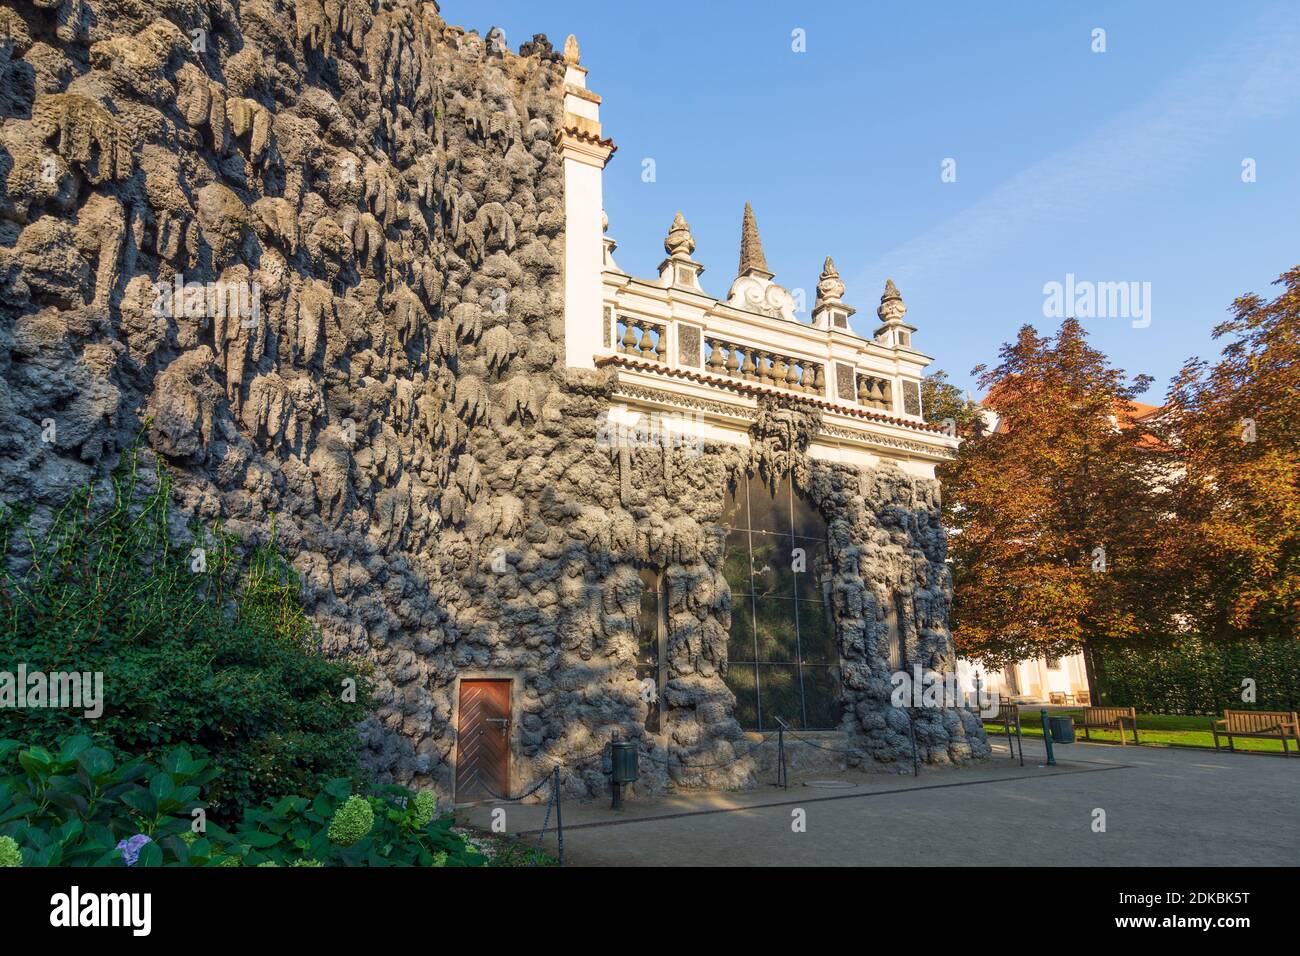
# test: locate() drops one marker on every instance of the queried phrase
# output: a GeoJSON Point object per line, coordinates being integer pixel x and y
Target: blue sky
{"type": "Point", "coordinates": [1122, 166]}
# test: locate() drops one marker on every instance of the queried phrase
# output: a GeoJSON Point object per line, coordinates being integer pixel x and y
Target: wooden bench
{"type": "Point", "coordinates": [1271, 724]}
{"type": "Point", "coordinates": [1056, 698]}
{"type": "Point", "coordinates": [1109, 718]}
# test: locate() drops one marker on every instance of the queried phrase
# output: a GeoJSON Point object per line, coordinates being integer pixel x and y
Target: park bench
{"type": "Point", "coordinates": [1109, 718]}
{"type": "Point", "coordinates": [1272, 724]}
{"type": "Point", "coordinates": [1008, 716]}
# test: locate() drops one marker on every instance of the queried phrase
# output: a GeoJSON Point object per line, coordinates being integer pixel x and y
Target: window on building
{"type": "Point", "coordinates": [782, 643]}
{"type": "Point", "coordinates": [1053, 663]}
{"type": "Point", "coordinates": [651, 628]}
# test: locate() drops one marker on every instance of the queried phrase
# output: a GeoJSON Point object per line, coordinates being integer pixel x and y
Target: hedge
{"type": "Point", "coordinates": [1192, 675]}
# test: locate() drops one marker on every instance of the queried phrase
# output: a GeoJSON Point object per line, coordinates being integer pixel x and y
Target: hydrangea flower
{"type": "Point", "coordinates": [10, 855]}
{"type": "Point", "coordinates": [426, 804]}
{"type": "Point", "coordinates": [351, 822]}
{"type": "Point", "coordinates": [131, 848]}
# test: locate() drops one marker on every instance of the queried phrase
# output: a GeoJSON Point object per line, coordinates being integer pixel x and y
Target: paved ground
{"type": "Point", "coordinates": [1163, 807]}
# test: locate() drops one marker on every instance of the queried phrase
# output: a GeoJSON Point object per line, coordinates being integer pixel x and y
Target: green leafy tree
{"type": "Point", "coordinates": [195, 645]}
{"type": "Point", "coordinates": [943, 401]}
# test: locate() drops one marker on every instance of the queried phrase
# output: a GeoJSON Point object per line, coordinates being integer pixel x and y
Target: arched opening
{"type": "Point", "coordinates": [782, 642]}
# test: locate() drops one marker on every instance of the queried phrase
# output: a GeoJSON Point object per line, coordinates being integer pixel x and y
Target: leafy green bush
{"type": "Point", "coordinates": [75, 806]}
{"type": "Point", "coordinates": [80, 807]}
{"type": "Point", "coordinates": [1190, 675]}
{"type": "Point", "coordinates": [195, 646]}
{"type": "Point", "coordinates": [390, 827]}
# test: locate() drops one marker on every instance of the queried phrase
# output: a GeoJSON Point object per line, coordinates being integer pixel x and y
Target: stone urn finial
{"type": "Point", "coordinates": [830, 288]}
{"type": "Point", "coordinates": [892, 307]}
{"type": "Point", "coordinates": [571, 51]}
{"type": "Point", "coordinates": [679, 241]}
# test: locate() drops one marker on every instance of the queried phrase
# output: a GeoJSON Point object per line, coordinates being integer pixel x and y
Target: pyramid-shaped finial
{"type": "Point", "coordinates": [571, 51]}
{"type": "Point", "coordinates": [751, 246]}
{"type": "Point", "coordinates": [892, 308]}
{"type": "Point", "coordinates": [679, 241]}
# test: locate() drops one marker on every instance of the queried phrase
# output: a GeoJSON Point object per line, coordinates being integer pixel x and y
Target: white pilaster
{"type": "Point", "coordinates": [585, 154]}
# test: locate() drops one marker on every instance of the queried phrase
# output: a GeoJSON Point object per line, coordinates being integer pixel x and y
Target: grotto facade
{"type": "Point", "coordinates": [345, 265]}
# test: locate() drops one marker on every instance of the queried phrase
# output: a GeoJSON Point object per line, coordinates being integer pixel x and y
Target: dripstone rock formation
{"type": "Point", "coordinates": [315, 252]}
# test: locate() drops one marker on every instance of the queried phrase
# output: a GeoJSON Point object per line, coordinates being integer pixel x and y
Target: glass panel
{"type": "Point", "coordinates": [733, 510]}
{"type": "Point", "coordinates": [816, 633]}
{"type": "Point", "coordinates": [787, 628]}
{"type": "Point", "coordinates": [740, 639]}
{"type": "Point", "coordinates": [768, 510]}
{"type": "Point", "coordinates": [816, 568]}
{"type": "Point", "coordinates": [779, 686]}
{"type": "Point", "coordinates": [650, 672]}
{"type": "Point", "coordinates": [735, 566]}
{"type": "Point", "coordinates": [777, 634]}
{"type": "Point", "coordinates": [894, 645]}
{"type": "Point", "coordinates": [773, 563]}
{"type": "Point", "coordinates": [648, 620]}
{"type": "Point", "coordinates": [819, 698]}
{"type": "Point", "coordinates": [808, 521]}
{"type": "Point", "coordinates": [740, 678]}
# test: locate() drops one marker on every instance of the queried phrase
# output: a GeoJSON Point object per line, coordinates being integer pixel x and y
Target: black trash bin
{"type": "Point", "coordinates": [622, 769]}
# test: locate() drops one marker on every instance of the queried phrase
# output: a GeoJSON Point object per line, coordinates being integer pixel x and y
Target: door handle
{"type": "Point", "coordinates": [496, 720]}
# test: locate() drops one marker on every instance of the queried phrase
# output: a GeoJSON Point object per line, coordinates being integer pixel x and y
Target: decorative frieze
{"type": "Point", "coordinates": [688, 345]}
{"type": "Point", "coordinates": [912, 398]}
{"type": "Point", "coordinates": [845, 389]}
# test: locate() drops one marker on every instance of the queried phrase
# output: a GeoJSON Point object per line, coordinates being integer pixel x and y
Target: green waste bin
{"type": "Point", "coordinates": [623, 761]}
{"type": "Point", "coordinates": [1062, 729]}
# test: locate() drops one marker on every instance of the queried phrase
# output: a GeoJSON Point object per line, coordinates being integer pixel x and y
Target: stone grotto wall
{"type": "Point", "coordinates": [385, 188]}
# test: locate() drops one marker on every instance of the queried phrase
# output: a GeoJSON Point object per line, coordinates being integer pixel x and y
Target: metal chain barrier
{"type": "Point", "coordinates": [704, 766]}
{"type": "Point", "coordinates": [553, 800]}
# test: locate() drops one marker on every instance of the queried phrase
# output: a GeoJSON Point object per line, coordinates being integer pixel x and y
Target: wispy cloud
{"type": "Point", "coordinates": [1252, 78]}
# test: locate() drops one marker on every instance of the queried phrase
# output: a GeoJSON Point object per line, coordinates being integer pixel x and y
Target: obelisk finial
{"type": "Point", "coordinates": [751, 246]}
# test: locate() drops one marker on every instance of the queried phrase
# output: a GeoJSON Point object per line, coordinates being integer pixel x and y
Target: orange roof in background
{"type": "Point", "coordinates": [1127, 414]}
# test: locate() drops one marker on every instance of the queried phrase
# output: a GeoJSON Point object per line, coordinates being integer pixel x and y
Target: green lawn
{"type": "Point", "coordinates": [1161, 730]}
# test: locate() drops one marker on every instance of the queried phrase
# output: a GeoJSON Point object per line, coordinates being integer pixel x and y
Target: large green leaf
{"type": "Point", "coordinates": [141, 799]}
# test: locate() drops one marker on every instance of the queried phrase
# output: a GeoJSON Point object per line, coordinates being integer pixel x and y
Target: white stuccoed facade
{"type": "Point", "coordinates": [696, 364]}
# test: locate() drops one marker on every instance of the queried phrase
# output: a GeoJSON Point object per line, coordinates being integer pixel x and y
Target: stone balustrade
{"type": "Point", "coordinates": [641, 338]}
{"type": "Point", "coordinates": [763, 366]}
{"type": "Point", "coordinates": [875, 392]}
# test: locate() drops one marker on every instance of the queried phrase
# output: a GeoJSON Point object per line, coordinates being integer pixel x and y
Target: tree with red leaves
{"type": "Point", "coordinates": [1234, 563]}
{"type": "Point", "coordinates": [1055, 515]}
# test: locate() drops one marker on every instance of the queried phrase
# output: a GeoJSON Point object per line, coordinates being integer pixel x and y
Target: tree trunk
{"type": "Point", "coordinates": [1090, 674]}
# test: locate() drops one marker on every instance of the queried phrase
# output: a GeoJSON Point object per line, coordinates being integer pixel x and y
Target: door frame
{"type": "Point", "coordinates": [516, 681]}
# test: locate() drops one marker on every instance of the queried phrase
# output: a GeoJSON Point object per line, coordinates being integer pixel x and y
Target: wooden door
{"type": "Point", "coordinates": [483, 740]}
